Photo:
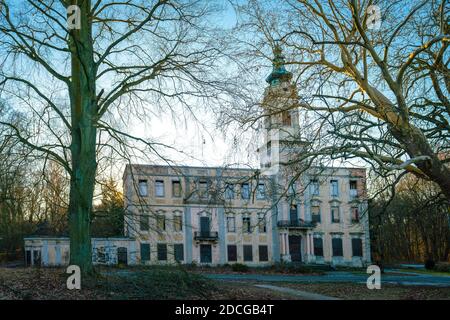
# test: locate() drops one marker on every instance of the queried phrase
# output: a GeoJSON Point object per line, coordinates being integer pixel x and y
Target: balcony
{"type": "Point", "coordinates": [295, 224]}
{"type": "Point", "coordinates": [206, 235]}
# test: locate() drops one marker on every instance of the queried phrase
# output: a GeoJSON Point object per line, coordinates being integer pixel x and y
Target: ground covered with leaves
{"type": "Point", "coordinates": [359, 291]}
{"type": "Point", "coordinates": [132, 283]}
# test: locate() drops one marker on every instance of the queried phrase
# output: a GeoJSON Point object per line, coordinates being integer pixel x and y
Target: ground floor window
{"type": "Point", "coordinates": [337, 247]}
{"type": "Point", "coordinates": [178, 251]}
{"type": "Point", "coordinates": [318, 247]}
{"type": "Point", "coordinates": [232, 253]}
{"type": "Point", "coordinates": [263, 253]}
{"type": "Point", "coordinates": [205, 253]}
{"type": "Point", "coordinates": [162, 251]}
{"type": "Point", "coordinates": [357, 247]}
{"type": "Point", "coordinates": [145, 252]}
{"type": "Point", "coordinates": [248, 253]}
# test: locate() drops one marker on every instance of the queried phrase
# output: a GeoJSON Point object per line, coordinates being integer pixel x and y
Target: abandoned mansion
{"type": "Point", "coordinates": [282, 212]}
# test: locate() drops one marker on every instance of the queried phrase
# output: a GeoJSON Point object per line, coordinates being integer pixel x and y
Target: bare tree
{"type": "Point", "coordinates": [84, 70]}
{"type": "Point", "coordinates": [375, 87]}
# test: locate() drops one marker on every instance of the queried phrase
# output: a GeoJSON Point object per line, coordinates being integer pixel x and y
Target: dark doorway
{"type": "Point", "coordinates": [205, 253]}
{"type": "Point", "coordinates": [28, 258]}
{"type": "Point", "coordinates": [122, 256]}
{"type": "Point", "coordinates": [295, 248]}
{"type": "Point", "coordinates": [204, 226]}
{"type": "Point", "coordinates": [37, 258]}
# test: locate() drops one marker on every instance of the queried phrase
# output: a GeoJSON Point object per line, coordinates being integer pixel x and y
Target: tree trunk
{"type": "Point", "coordinates": [83, 144]}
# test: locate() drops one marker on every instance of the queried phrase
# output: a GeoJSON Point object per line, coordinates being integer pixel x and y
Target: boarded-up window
{"type": "Point", "coordinates": [262, 223]}
{"type": "Point", "coordinates": [145, 252]}
{"type": "Point", "coordinates": [232, 252]}
{"type": "Point", "coordinates": [318, 247]}
{"type": "Point", "coordinates": [357, 247]}
{"type": "Point", "coordinates": [177, 223]}
{"type": "Point", "coordinates": [143, 222]}
{"type": "Point", "coordinates": [203, 188]}
{"type": "Point", "coordinates": [315, 214]}
{"type": "Point", "coordinates": [263, 253]}
{"type": "Point", "coordinates": [162, 251]}
{"type": "Point", "coordinates": [176, 189]}
{"type": "Point", "coordinates": [248, 253]}
{"type": "Point", "coordinates": [337, 247]}
{"type": "Point", "coordinates": [178, 252]}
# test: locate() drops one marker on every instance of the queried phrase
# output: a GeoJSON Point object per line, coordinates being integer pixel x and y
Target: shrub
{"type": "Point", "coordinates": [442, 267]}
{"type": "Point", "coordinates": [429, 264]}
{"type": "Point", "coordinates": [238, 267]}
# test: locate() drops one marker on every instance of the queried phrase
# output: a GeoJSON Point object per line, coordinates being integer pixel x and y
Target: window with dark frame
{"type": "Point", "coordinates": [318, 246]}
{"type": "Point", "coordinates": [357, 247]}
{"type": "Point", "coordinates": [162, 251]}
{"type": "Point", "coordinates": [315, 214]}
{"type": "Point", "coordinates": [143, 222]}
{"type": "Point", "coordinates": [263, 253]}
{"type": "Point", "coordinates": [178, 252]}
{"type": "Point", "coordinates": [245, 191]}
{"type": "Point", "coordinates": [232, 252]}
{"type": "Point", "coordinates": [353, 188]}
{"type": "Point", "coordinates": [246, 225]}
{"type": "Point", "coordinates": [248, 253]}
{"type": "Point", "coordinates": [336, 243]}
{"type": "Point", "coordinates": [145, 252]}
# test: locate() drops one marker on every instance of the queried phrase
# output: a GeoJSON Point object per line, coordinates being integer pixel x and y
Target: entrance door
{"type": "Point", "coordinates": [295, 248]}
{"type": "Point", "coordinates": [204, 226]}
{"type": "Point", "coordinates": [122, 257]}
{"type": "Point", "coordinates": [205, 253]}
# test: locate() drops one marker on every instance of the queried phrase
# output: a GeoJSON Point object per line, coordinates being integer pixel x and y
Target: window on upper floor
{"type": "Point", "coordinates": [202, 188]}
{"type": "Point", "coordinates": [143, 188]}
{"type": "Point", "coordinates": [178, 223]}
{"type": "Point", "coordinates": [334, 188]}
{"type": "Point", "coordinates": [287, 118]}
{"type": "Point", "coordinates": [314, 187]}
{"type": "Point", "coordinates": [229, 191]}
{"type": "Point", "coordinates": [335, 214]}
{"type": "Point", "coordinates": [353, 188]}
{"type": "Point", "coordinates": [176, 189]}
{"type": "Point", "coordinates": [245, 191]}
{"type": "Point", "coordinates": [354, 214]}
{"type": "Point", "coordinates": [231, 224]}
{"type": "Point", "coordinates": [262, 223]}
{"type": "Point", "coordinates": [143, 222]}
{"type": "Point", "coordinates": [246, 225]}
{"type": "Point", "coordinates": [315, 214]}
{"type": "Point", "coordinates": [159, 188]}
{"type": "Point", "coordinates": [261, 191]}
{"type": "Point", "coordinates": [161, 222]}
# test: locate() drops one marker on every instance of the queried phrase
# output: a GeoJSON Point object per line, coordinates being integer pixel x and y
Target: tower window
{"type": "Point", "coordinates": [286, 118]}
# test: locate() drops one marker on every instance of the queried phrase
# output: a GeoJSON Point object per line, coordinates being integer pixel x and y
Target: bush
{"type": "Point", "coordinates": [238, 267]}
{"type": "Point", "coordinates": [442, 267]}
{"type": "Point", "coordinates": [429, 264]}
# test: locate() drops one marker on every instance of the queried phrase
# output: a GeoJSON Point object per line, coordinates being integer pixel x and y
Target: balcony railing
{"type": "Point", "coordinates": [206, 235]}
{"type": "Point", "coordinates": [295, 224]}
